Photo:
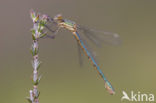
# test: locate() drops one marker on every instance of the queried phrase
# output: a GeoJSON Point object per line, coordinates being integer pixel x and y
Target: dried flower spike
{"type": "Point", "coordinates": [39, 22]}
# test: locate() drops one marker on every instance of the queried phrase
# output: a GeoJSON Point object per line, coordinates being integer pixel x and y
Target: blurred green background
{"type": "Point", "coordinates": [130, 66]}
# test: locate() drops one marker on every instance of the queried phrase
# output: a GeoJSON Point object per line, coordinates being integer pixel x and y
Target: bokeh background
{"type": "Point", "coordinates": [130, 66]}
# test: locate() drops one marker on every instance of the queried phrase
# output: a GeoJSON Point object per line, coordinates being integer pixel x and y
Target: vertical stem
{"type": "Point", "coordinates": [37, 33]}
{"type": "Point", "coordinates": [35, 71]}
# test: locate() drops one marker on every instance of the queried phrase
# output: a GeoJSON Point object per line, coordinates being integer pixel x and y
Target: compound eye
{"type": "Point", "coordinates": [58, 17]}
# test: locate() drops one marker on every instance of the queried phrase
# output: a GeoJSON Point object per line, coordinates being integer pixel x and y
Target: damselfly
{"type": "Point", "coordinates": [107, 37]}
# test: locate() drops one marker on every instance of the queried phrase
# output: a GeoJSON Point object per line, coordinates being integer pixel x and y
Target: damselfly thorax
{"type": "Point", "coordinates": [69, 25]}
{"type": "Point", "coordinates": [64, 23]}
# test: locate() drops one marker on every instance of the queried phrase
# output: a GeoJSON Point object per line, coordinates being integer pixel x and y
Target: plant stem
{"type": "Point", "coordinates": [37, 33]}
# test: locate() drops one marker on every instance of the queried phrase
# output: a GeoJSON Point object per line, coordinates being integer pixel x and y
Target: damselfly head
{"type": "Point", "coordinates": [58, 17]}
